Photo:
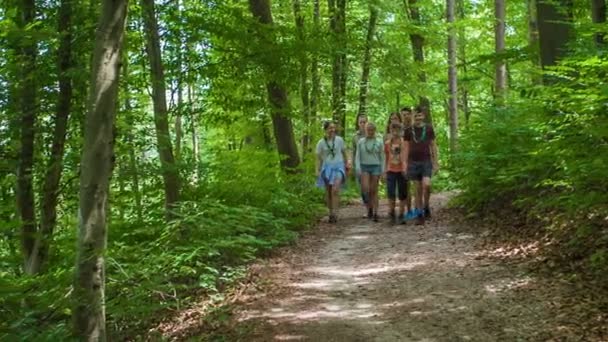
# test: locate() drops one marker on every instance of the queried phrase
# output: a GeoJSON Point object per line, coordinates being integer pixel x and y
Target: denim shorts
{"type": "Point", "coordinates": [395, 181]}
{"type": "Point", "coordinates": [419, 169]}
{"type": "Point", "coordinates": [374, 170]}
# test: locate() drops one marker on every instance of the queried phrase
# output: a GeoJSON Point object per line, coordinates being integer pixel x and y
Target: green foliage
{"type": "Point", "coordinates": [242, 208]}
{"type": "Point", "coordinates": [547, 156]}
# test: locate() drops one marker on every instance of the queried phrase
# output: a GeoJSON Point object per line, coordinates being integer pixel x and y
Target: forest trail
{"type": "Point", "coordinates": [365, 281]}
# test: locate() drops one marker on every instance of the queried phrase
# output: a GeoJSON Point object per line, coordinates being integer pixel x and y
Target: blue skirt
{"type": "Point", "coordinates": [330, 173]}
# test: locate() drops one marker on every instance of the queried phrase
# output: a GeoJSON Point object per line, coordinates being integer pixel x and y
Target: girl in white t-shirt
{"type": "Point", "coordinates": [331, 167]}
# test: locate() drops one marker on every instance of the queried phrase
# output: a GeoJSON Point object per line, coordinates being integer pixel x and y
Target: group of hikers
{"type": "Point", "coordinates": [405, 154]}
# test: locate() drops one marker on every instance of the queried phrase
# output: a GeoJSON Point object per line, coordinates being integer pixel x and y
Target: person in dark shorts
{"type": "Point", "coordinates": [396, 150]}
{"type": "Point", "coordinates": [406, 118]}
{"type": "Point", "coordinates": [422, 162]}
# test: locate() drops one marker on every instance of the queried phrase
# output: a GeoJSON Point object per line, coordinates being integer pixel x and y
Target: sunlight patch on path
{"type": "Point", "coordinates": [371, 281]}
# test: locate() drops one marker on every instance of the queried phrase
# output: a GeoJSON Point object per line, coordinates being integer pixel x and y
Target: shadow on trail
{"type": "Point", "coordinates": [378, 282]}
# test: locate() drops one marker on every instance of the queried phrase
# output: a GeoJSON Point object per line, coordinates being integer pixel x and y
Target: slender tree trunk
{"type": "Point", "coordinates": [178, 121]}
{"type": "Point", "coordinates": [168, 168]}
{"type": "Point", "coordinates": [598, 15]}
{"type": "Point", "coordinates": [277, 95]}
{"type": "Point", "coordinates": [335, 73]}
{"type": "Point", "coordinates": [417, 41]}
{"type": "Point", "coordinates": [314, 68]}
{"type": "Point", "coordinates": [367, 59]}
{"type": "Point", "coordinates": [554, 30]}
{"type": "Point", "coordinates": [133, 169]}
{"type": "Point", "coordinates": [194, 130]}
{"type": "Point", "coordinates": [304, 91]}
{"type": "Point", "coordinates": [452, 76]}
{"type": "Point", "coordinates": [96, 169]}
{"type": "Point", "coordinates": [27, 102]}
{"type": "Point", "coordinates": [462, 49]}
{"type": "Point", "coordinates": [341, 25]}
{"type": "Point", "coordinates": [500, 78]}
{"type": "Point", "coordinates": [337, 11]}
{"type": "Point", "coordinates": [533, 30]}
{"type": "Point", "coordinates": [534, 46]}
{"type": "Point", "coordinates": [55, 164]}
{"type": "Point", "coordinates": [180, 92]}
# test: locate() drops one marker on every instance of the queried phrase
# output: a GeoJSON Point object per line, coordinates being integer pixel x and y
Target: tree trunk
{"type": "Point", "coordinates": [314, 68]}
{"type": "Point", "coordinates": [418, 48]}
{"type": "Point", "coordinates": [304, 91]}
{"type": "Point", "coordinates": [452, 76]}
{"type": "Point", "coordinates": [180, 92]}
{"type": "Point", "coordinates": [194, 130]}
{"type": "Point", "coordinates": [500, 78]}
{"type": "Point", "coordinates": [55, 164]}
{"type": "Point", "coordinates": [335, 73]}
{"type": "Point", "coordinates": [598, 15]}
{"type": "Point", "coordinates": [337, 11]}
{"type": "Point", "coordinates": [367, 59]}
{"type": "Point", "coordinates": [554, 30]}
{"type": "Point", "coordinates": [533, 43]}
{"type": "Point", "coordinates": [165, 151]}
{"type": "Point", "coordinates": [27, 103]}
{"type": "Point", "coordinates": [462, 49]}
{"type": "Point", "coordinates": [277, 95]}
{"type": "Point", "coordinates": [343, 63]}
{"type": "Point", "coordinates": [96, 169]}
{"type": "Point", "coordinates": [133, 169]}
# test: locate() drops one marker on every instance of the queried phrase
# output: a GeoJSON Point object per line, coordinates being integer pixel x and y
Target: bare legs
{"type": "Point", "coordinates": [369, 185]}
{"type": "Point", "coordinates": [332, 199]}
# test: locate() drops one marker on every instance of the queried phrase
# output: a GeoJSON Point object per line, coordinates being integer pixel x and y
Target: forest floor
{"type": "Point", "coordinates": [365, 281]}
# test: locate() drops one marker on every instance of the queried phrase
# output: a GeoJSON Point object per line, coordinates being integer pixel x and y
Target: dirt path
{"type": "Point", "coordinates": [366, 281]}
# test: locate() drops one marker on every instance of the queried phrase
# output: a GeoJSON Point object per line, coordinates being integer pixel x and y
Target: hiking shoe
{"type": "Point", "coordinates": [427, 213]}
{"type": "Point", "coordinates": [375, 217]}
{"type": "Point", "coordinates": [420, 218]}
{"type": "Point", "coordinates": [410, 215]}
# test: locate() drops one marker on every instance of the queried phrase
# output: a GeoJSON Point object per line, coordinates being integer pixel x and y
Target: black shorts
{"type": "Point", "coordinates": [417, 170]}
{"type": "Point", "coordinates": [395, 181]}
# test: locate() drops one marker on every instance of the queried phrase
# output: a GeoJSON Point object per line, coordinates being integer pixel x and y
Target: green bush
{"type": "Point", "coordinates": [243, 207]}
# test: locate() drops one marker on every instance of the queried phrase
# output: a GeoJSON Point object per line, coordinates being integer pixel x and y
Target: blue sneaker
{"type": "Point", "coordinates": [411, 214]}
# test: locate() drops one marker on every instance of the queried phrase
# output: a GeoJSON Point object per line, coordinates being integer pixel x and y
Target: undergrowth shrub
{"type": "Point", "coordinates": [547, 157]}
{"type": "Point", "coordinates": [243, 207]}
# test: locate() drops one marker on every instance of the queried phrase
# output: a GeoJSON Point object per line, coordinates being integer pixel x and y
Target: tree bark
{"type": "Point", "coordinates": [277, 95]}
{"type": "Point", "coordinates": [500, 77]}
{"type": "Point", "coordinates": [533, 42]}
{"type": "Point", "coordinates": [180, 91]}
{"type": "Point", "coordinates": [337, 11]}
{"type": "Point", "coordinates": [133, 169]}
{"type": "Point", "coordinates": [304, 90]}
{"type": "Point", "coordinates": [418, 41]}
{"type": "Point", "coordinates": [96, 169]}
{"type": "Point", "coordinates": [554, 30]}
{"type": "Point", "coordinates": [598, 15]}
{"type": "Point", "coordinates": [27, 52]}
{"type": "Point", "coordinates": [55, 164]}
{"type": "Point", "coordinates": [314, 68]}
{"type": "Point", "coordinates": [165, 151]}
{"type": "Point", "coordinates": [367, 59]}
{"type": "Point", "coordinates": [462, 49]}
{"type": "Point", "coordinates": [452, 76]}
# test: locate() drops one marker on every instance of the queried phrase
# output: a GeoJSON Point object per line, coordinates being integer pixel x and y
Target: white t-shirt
{"type": "Point", "coordinates": [331, 151]}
